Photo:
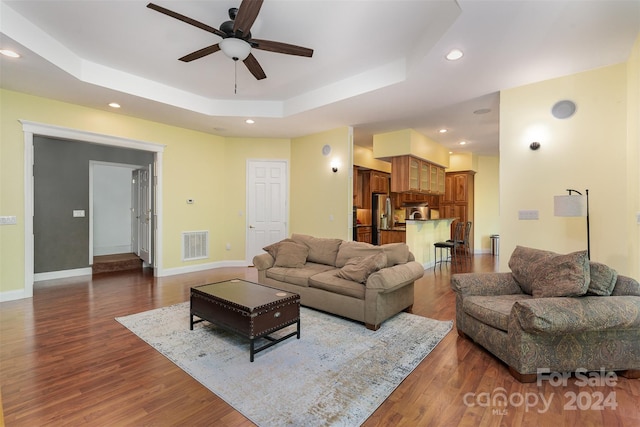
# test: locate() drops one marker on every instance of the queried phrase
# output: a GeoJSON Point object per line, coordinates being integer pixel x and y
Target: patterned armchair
{"type": "Point", "coordinates": [552, 312]}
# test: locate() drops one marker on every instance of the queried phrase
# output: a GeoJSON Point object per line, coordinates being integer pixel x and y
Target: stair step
{"type": "Point", "coordinates": [116, 262]}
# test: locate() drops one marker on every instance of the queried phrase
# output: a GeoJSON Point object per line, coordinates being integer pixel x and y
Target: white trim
{"type": "Point", "coordinates": [12, 295]}
{"type": "Point", "coordinates": [201, 267]}
{"type": "Point", "coordinates": [32, 128]}
{"type": "Point", "coordinates": [62, 274]}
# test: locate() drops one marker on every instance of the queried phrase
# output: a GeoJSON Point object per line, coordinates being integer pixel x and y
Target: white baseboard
{"type": "Point", "coordinates": [12, 295]}
{"type": "Point", "coordinates": [110, 250]}
{"type": "Point", "coordinates": [62, 274]}
{"type": "Point", "coordinates": [200, 267]}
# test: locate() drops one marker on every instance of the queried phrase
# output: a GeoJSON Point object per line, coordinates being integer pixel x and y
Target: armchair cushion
{"type": "Point", "coordinates": [561, 275]}
{"type": "Point", "coordinates": [603, 279]}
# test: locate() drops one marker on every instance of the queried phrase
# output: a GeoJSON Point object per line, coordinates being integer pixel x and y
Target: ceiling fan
{"type": "Point", "coordinates": [237, 41]}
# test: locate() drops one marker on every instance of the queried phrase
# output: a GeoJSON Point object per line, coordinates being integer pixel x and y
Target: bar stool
{"type": "Point", "coordinates": [450, 245]}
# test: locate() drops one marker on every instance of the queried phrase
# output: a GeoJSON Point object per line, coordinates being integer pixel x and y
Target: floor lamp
{"type": "Point", "coordinates": [574, 206]}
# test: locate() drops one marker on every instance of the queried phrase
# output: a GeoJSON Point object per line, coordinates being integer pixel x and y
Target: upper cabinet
{"type": "Point", "coordinates": [379, 182]}
{"type": "Point", "coordinates": [411, 174]}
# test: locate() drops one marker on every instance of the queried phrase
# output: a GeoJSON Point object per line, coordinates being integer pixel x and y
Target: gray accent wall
{"type": "Point", "coordinates": [61, 185]}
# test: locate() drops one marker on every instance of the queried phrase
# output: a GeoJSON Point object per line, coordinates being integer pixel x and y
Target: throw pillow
{"type": "Point", "coordinates": [603, 279]}
{"type": "Point", "coordinates": [272, 249]}
{"type": "Point", "coordinates": [291, 255]}
{"type": "Point", "coordinates": [359, 269]}
{"type": "Point", "coordinates": [397, 253]}
{"type": "Point", "coordinates": [522, 264]}
{"type": "Point", "coordinates": [321, 250]}
{"type": "Point", "coordinates": [561, 276]}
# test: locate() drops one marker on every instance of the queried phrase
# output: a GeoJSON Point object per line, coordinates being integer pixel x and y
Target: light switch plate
{"type": "Point", "coordinates": [8, 220]}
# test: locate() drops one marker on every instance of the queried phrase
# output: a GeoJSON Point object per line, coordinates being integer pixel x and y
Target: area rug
{"type": "Point", "coordinates": [337, 373]}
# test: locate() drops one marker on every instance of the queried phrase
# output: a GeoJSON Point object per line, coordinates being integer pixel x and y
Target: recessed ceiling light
{"type": "Point", "coordinates": [9, 53]}
{"type": "Point", "coordinates": [249, 121]}
{"type": "Point", "coordinates": [482, 111]}
{"type": "Point", "coordinates": [463, 142]}
{"type": "Point", "coordinates": [443, 131]}
{"type": "Point", "coordinates": [454, 54]}
{"type": "Point", "coordinates": [114, 105]}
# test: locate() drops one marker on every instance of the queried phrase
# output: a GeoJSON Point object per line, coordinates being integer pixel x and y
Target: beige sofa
{"type": "Point", "coordinates": [356, 280]}
{"type": "Point", "coordinates": [552, 313]}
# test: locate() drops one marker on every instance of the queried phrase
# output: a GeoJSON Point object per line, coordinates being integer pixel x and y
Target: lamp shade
{"type": "Point", "coordinates": [236, 49]}
{"type": "Point", "coordinates": [569, 205]}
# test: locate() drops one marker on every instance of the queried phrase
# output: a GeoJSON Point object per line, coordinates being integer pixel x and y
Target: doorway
{"type": "Point", "coordinates": [31, 130]}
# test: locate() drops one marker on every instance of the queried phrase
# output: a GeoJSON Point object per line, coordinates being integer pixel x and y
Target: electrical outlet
{"type": "Point", "coordinates": [8, 220]}
{"type": "Point", "coordinates": [531, 214]}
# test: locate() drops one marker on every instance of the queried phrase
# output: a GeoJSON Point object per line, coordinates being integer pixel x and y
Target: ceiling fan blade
{"type": "Point", "coordinates": [278, 47]}
{"type": "Point", "coordinates": [247, 14]}
{"type": "Point", "coordinates": [254, 67]}
{"type": "Point", "coordinates": [200, 53]}
{"type": "Point", "coordinates": [186, 19]}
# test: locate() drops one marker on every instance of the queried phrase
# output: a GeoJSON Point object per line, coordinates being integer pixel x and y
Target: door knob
{"type": "Point", "coordinates": [251, 226]}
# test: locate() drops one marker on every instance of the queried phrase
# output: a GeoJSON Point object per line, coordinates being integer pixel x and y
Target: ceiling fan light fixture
{"type": "Point", "coordinates": [236, 49]}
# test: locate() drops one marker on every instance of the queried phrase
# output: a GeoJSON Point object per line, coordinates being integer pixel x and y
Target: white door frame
{"type": "Point", "coordinates": [32, 128]}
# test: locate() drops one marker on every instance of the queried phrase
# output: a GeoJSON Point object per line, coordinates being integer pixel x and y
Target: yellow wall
{"type": "Point", "coordinates": [207, 168]}
{"type": "Point", "coordinates": [321, 200]}
{"type": "Point", "coordinates": [408, 141]}
{"type": "Point", "coordinates": [486, 201]}
{"type": "Point", "coordinates": [586, 151]}
{"type": "Point", "coordinates": [237, 152]}
{"type": "Point", "coordinates": [633, 159]}
{"type": "Point", "coordinates": [364, 157]}
{"type": "Point", "coordinates": [462, 162]}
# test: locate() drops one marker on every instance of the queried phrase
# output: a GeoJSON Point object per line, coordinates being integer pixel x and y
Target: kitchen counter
{"type": "Point", "coordinates": [421, 234]}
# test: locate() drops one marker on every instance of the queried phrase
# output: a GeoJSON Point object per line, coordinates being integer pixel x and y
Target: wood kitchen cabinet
{"type": "Point", "coordinates": [458, 198]}
{"type": "Point", "coordinates": [363, 234]}
{"type": "Point", "coordinates": [379, 182]}
{"type": "Point", "coordinates": [392, 236]}
{"type": "Point", "coordinates": [411, 174]}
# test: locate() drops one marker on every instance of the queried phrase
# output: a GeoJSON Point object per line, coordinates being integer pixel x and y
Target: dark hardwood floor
{"type": "Point", "coordinates": [64, 360]}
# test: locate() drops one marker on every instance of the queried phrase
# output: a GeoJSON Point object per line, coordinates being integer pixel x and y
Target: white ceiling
{"type": "Point", "coordinates": [378, 65]}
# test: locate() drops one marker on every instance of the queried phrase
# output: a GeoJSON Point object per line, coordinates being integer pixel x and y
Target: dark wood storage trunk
{"type": "Point", "coordinates": [251, 322]}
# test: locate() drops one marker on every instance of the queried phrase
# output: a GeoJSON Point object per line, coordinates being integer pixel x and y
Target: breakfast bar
{"type": "Point", "coordinates": [423, 233]}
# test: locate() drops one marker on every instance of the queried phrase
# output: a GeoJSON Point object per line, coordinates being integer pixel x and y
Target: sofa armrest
{"type": "Point", "coordinates": [394, 277]}
{"type": "Point", "coordinates": [562, 315]}
{"type": "Point", "coordinates": [263, 261]}
{"type": "Point", "coordinates": [485, 284]}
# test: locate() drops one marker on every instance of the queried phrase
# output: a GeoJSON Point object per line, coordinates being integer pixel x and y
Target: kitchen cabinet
{"type": "Point", "coordinates": [458, 198]}
{"type": "Point", "coordinates": [363, 234]}
{"type": "Point", "coordinates": [393, 236]}
{"type": "Point", "coordinates": [379, 182]}
{"type": "Point", "coordinates": [411, 174]}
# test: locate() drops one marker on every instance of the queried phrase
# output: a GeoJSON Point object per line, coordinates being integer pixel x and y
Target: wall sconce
{"type": "Point", "coordinates": [574, 206]}
{"type": "Point", "coordinates": [334, 166]}
{"type": "Point", "coordinates": [534, 145]}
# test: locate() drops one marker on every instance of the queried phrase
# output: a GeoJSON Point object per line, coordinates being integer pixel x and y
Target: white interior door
{"type": "Point", "coordinates": [142, 213]}
{"type": "Point", "coordinates": [266, 204]}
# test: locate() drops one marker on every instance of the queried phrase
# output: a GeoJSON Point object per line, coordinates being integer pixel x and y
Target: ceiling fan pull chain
{"type": "Point", "coordinates": [235, 78]}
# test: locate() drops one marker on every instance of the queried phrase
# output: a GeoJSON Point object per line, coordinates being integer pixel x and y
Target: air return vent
{"type": "Point", "coordinates": [195, 245]}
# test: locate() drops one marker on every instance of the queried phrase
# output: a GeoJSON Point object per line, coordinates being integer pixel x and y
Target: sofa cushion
{"type": "Point", "coordinates": [330, 281]}
{"type": "Point", "coordinates": [492, 310]}
{"type": "Point", "coordinates": [272, 249]}
{"type": "Point", "coordinates": [358, 269]}
{"type": "Point", "coordinates": [561, 276]}
{"type": "Point", "coordinates": [291, 254]}
{"type": "Point", "coordinates": [297, 276]}
{"type": "Point", "coordinates": [603, 279]}
{"type": "Point", "coordinates": [397, 253]}
{"type": "Point", "coordinates": [522, 265]}
{"type": "Point", "coordinates": [321, 250]}
{"type": "Point", "coordinates": [350, 250]}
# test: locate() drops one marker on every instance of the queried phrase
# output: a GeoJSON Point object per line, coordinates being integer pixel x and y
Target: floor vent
{"type": "Point", "coordinates": [195, 245]}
